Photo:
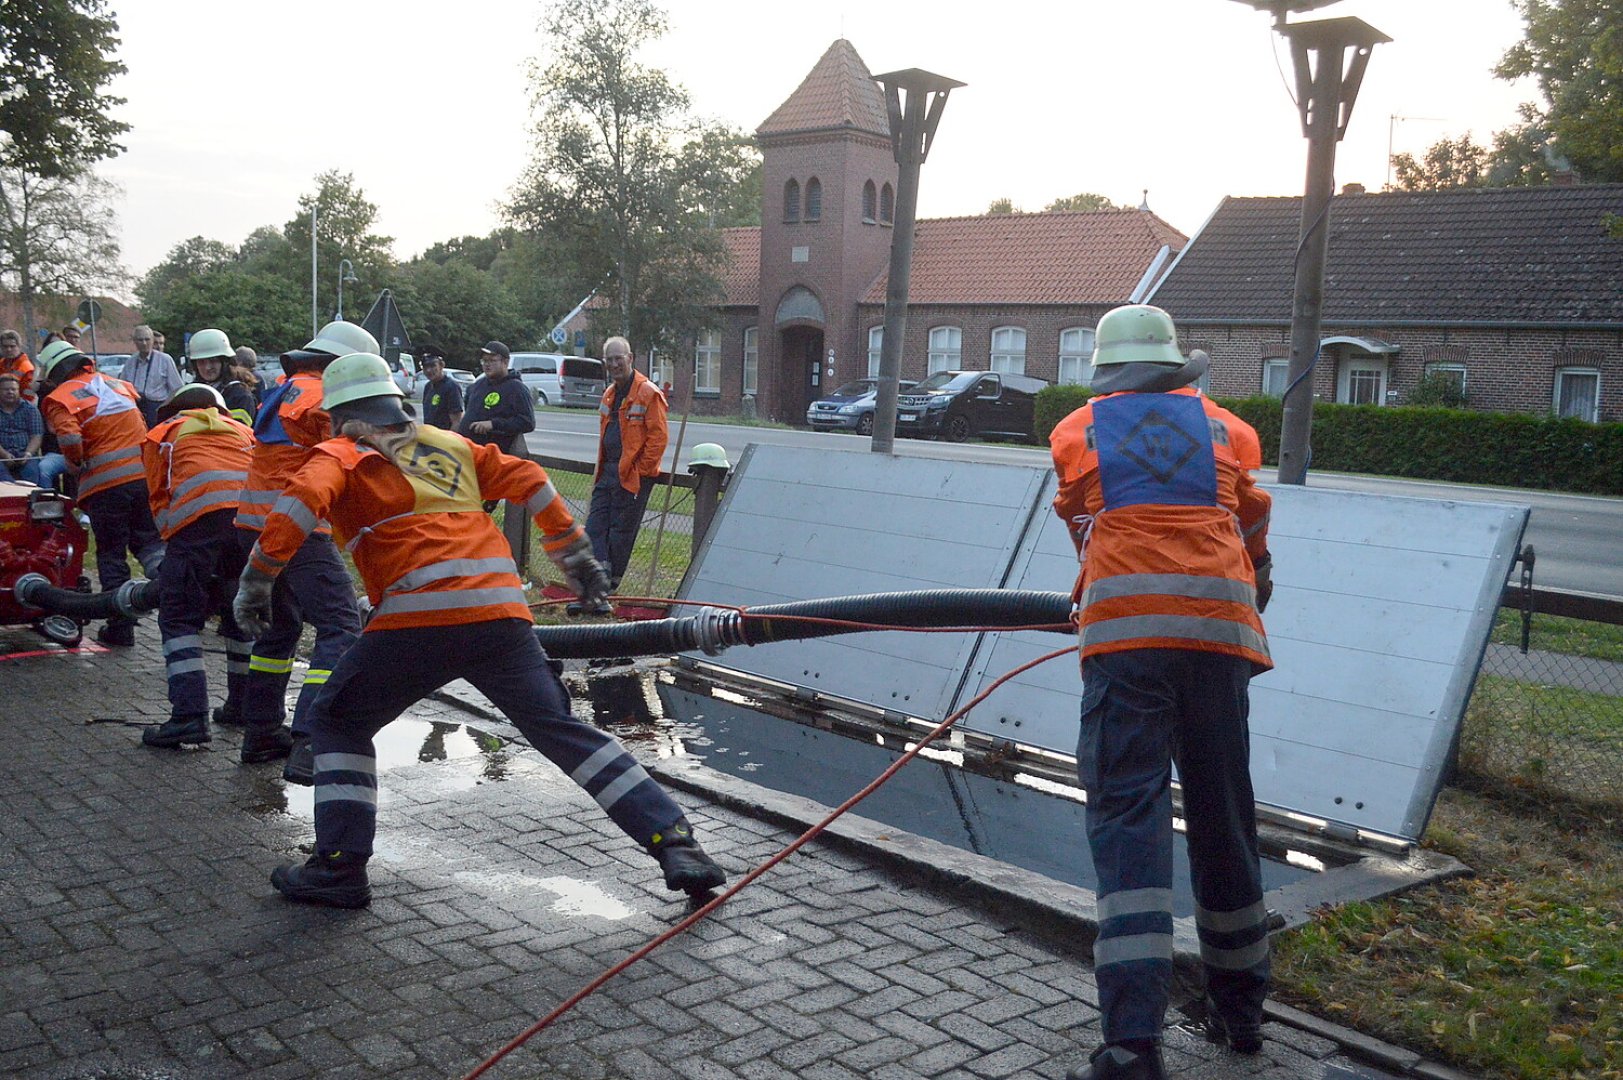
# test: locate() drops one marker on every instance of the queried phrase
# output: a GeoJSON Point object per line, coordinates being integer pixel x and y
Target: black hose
{"type": "Point", "coordinates": [713, 629]}
{"type": "Point", "coordinates": [130, 599]}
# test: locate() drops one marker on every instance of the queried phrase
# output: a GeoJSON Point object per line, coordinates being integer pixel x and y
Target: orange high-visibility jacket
{"type": "Point", "coordinates": [427, 551]}
{"type": "Point", "coordinates": [23, 368]}
{"type": "Point", "coordinates": [1167, 523]}
{"type": "Point", "coordinates": [644, 431]}
{"type": "Point", "coordinates": [196, 463]}
{"type": "Point", "coordinates": [290, 424]}
{"type": "Point", "coordinates": [99, 428]}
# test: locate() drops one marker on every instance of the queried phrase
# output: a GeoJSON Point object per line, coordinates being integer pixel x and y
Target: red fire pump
{"type": "Point", "coordinates": [40, 535]}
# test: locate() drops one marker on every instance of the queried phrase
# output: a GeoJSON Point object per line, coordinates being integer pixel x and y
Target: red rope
{"type": "Point", "coordinates": [805, 837]}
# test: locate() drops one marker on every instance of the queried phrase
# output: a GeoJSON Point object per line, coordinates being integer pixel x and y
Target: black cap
{"type": "Point", "coordinates": [496, 348]}
{"type": "Point", "coordinates": [429, 352]}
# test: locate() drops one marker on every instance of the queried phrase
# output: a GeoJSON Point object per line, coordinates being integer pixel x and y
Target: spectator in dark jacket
{"type": "Point", "coordinates": [500, 407]}
{"type": "Point", "coordinates": [442, 397]}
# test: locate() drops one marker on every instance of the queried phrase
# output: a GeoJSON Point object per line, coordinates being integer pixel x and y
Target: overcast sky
{"type": "Point", "coordinates": [236, 107]}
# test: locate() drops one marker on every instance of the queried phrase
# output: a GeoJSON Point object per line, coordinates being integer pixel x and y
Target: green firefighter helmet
{"type": "Point", "coordinates": [708, 453]}
{"type": "Point", "coordinates": [360, 386]}
{"type": "Point", "coordinates": [1136, 334]}
{"type": "Point", "coordinates": [53, 356]}
{"type": "Point", "coordinates": [207, 344]}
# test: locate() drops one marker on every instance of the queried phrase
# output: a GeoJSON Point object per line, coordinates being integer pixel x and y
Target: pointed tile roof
{"type": "Point", "coordinates": [1083, 257]}
{"type": "Point", "coordinates": [1525, 256]}
{"type": "Point", "coordinates": [839, 93]}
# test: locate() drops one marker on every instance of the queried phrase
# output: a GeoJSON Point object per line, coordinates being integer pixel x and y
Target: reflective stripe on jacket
{"type": "Point", "coordinates": [100, 429]}
{"type": "Point", "coordinates": [644, 431]}
{"type": "Point", "coordinates": [290, 423]}
{"type": "Point", "coordinates": [426, 550]}
{"type": "Point", "coordinates": [1167, 522]}
{"type": "Point", "coordinates": [196, 463]}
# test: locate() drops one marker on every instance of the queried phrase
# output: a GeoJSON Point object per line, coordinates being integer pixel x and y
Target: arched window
{"type": "Point", "coordinates": [870, 202]}
{"type": "Point", "coordinates": [876, 346]}
{"type": "Point", "coordinates": [887, 205]}
{"type": "Point", "coordinates": [1009, 350]}
{"type": "Point", "coordinates": [752, 360]}
{"type": "Point", "coordinates": [791, 200]}
{"type": "Point", "coordinates": [1076, 356]}
{"type": "Point", "coordinates": [814, 199]}
{"type": "Point", "coordinates": [946, 348]}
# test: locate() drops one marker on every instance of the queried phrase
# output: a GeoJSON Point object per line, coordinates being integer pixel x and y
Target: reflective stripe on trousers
{"type": "Point", "coordinates": [387, 671]}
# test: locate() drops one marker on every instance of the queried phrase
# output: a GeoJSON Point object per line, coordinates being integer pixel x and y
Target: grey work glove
{"type": "Point", "coordinates": [1265, 582]}
{"type": "Point", "coordinates": [583, 572]}
{"type": "Point", "coordinates": [252, 606]}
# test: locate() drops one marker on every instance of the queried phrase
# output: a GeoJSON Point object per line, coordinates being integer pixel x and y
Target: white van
{"type": "Point", "coordinates": [555, 379]}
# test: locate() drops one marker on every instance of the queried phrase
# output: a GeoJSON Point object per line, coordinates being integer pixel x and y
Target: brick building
{"type": "Point", "coordinates": [805, 292]}
{"type": "Point", "coordinates": [1515, 292]}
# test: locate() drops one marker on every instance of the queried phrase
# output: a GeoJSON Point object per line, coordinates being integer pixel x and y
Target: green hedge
{"type": "Point", "coordinates": [1457, 445]}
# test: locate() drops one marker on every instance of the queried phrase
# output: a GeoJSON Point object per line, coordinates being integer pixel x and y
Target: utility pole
{"type": "Point", "coordinates": [913, 125]}
{"type": "Point", "coordinates": [315, 316]}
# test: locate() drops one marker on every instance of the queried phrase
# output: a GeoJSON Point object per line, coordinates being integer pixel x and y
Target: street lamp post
{"type": "Point", "coordinates": [1326, 87]}
{"type": "Point", "coordinates": [913, 125]}
{"type": "Point", "coordinates": [346, 272]}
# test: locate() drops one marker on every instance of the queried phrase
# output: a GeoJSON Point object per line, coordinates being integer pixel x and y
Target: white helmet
{"type": "Point", "coordinates": [342, 338]}
{"type": "Point", "coordinates": [207, 344]}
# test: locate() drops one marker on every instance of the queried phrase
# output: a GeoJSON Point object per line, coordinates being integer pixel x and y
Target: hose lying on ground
{"type": "Point", "coordinates": [713, 629]}
{"type": "Point", "coordinates": [129, 599]}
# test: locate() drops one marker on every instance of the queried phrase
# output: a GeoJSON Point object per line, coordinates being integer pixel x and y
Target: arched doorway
{"type": "Point", "coordinates": [799, 322]}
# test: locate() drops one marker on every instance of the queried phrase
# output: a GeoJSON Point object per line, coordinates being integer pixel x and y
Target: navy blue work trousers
{"type": "Point", "coordinates": [197, 561]}
{"type": "Point", "coordinates": [388, 671]}
{"type": "Point", "coordinates": [1142, 711]}
{"type": "Point", "coordinates": [121, 521]}
{"type": "Point", "coordinates": [612, 522]}
{"type": "Point", "coordinates": [313, 588]}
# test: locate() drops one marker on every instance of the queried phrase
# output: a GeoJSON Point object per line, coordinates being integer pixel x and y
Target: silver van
{"type": "Point", "coordinates": [555, 379]}
{"type": "Point", "coordinates": [584, 381]}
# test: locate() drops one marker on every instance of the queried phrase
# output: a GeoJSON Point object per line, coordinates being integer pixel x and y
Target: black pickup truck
{"type": "Point", "coordinates": [957, 404]}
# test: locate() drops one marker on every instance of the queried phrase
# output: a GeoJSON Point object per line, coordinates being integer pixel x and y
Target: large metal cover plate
{"type": "Point", "coordinates": [798, 524]}
{"type": "Point", "coordinates": [1381, 612]}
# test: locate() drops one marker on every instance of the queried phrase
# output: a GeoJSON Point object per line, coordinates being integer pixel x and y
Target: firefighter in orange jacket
{"type": "Point", "coordinates": [196, 460]}
{"type": "Point", "coordinates": [316, 587]}
{"type": "Point", "coordinates": [99, 426]}
{"type": "Point", "coordinates": [632, 434]}
{"type": "Point", "coordinates": [447, 604]}
{"type": "Point", "coordinates": [1172, 534]}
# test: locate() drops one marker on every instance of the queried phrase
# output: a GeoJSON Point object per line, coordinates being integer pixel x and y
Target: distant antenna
{"type": "Point", "coordinates": [1145, 203]}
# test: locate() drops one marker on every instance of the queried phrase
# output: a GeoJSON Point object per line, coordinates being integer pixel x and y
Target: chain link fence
{"type": "Point", "coordinates": [1549, 720]}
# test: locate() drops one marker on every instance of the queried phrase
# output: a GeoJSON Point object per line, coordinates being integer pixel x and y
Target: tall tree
{"type": "Point", "coordinates": [345, 218]}
{"type": "Point", "coordinates": [1574, 49]}
{"type": "Point", "coordinates": [1086, 200]}
{"type": "Point", "coordinates": [56, 59]}
{"type": "Point", "coordinates": [185, 260]}
{"type": "Point", "coordinates": [1448, 163]}
{"type": "Point", "coordinates": [263, 311]}
{"type": "Point", "coordinates": [57, 237]}
{"type": "Point", "coordinates": [623, 176]}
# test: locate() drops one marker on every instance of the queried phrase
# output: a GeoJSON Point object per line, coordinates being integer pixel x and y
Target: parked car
{"type": "Point", "coordinates": [957, 404]}
{"type": "Point", "coordinates": [584, 381]}
{"type": "Point", "coordinates": [850, 408]}
{"type": "Point", "coordinates": [557, 379]}
{"type": "Point", "coordinates": [464, 379]}
{"type": "Point", "coordinates": [112, 363]}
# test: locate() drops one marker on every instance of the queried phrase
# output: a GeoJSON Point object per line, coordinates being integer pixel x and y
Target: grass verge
{"type": "Point", "coordinates": [1555, 633]}
{"type": "Point", "coordinates": [1517, 972]}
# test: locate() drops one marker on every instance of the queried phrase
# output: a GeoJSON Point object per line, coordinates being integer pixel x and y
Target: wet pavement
{"type": "Point", "coordinates": [141, 938]}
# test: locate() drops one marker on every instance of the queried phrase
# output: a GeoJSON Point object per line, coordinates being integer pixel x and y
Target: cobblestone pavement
{"type": "Point", "coordinates": [141, 938]}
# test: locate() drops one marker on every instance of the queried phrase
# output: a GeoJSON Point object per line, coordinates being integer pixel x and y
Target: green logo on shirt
{"type": "Point", "coordinates": [491, 399]}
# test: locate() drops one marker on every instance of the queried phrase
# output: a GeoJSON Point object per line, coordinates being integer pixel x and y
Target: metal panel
{"type": "Point", "coordinates": [1381, 612]}
{"type": "Point", "coordinates": [798, 524]}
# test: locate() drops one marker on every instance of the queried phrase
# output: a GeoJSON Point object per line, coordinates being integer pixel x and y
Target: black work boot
{"type": "Point", "coordinates": [1242, 1035]}
{"type": "Point", "coordinates": [178, 731]}
{"type": "Point", "coordinates": [334, 880]}
{"type": "Point", "coordinates": [228, 715]}
{"type": "Point", "coordinates": [1118, 1062]}
{"type": "Point", "coordinates": [687, 868]}
{"type": "Point", "coordinates": [119, 635]}
{"type": "Point", "coordinates": [301, 763]}
{"type": "Point", "coordinates": [271, 744]}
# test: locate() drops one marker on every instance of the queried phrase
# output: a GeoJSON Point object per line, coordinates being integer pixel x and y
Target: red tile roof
{"type": "Point", "coordinates": [838, 93]}
{"type": "Point", "coordinates": [1085, 257]}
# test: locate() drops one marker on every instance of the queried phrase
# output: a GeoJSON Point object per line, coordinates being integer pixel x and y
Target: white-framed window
{"type": "Point", "coordinates": [946, 348]}
{"type": "Point", "coordinates": [1009, 350]}
{"type": "Point", "coordinates": [1276, 376]}
{"type": "Point", "coordinates": [1362, 382]}
{"type": "Point", "coordinates": [707, 363]}
{"type": "Point", "coordinates": [876, 346]}
{"type": "Point", "coordinates": [1076, 356]}
{"type": "Point", "coordinates": [1577, 393]}
{"type": "Point", "coordinates": [1455, 373]}
{"type": "Point", "coordinates": [752, 360]}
